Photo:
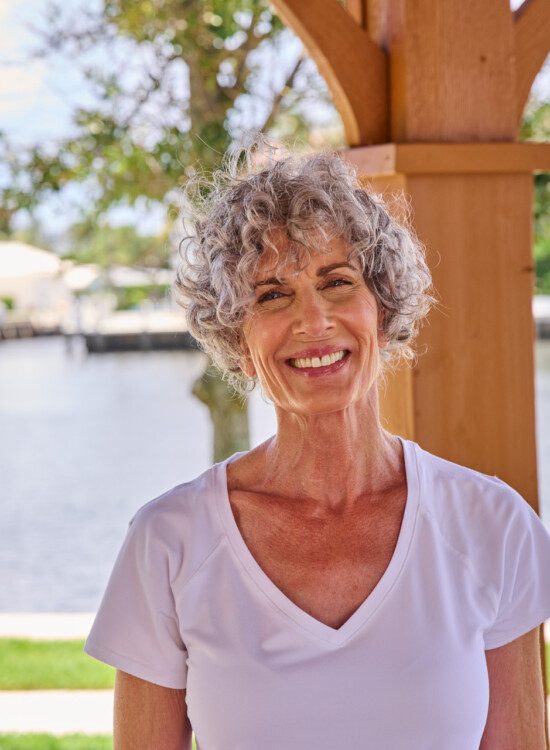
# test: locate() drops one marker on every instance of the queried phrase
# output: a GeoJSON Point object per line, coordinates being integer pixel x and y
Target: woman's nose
{"type": "Point", "coordinates": [312, 315]}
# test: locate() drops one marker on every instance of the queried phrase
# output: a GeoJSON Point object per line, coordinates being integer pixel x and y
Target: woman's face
{"type": "Point", "coordinates": [324, 310]}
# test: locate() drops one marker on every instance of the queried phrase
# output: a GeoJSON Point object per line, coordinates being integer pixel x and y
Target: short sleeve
{"type": "Point", "coordinates": [136, 626]}
{"type": "Point", "coordinates": [523, 581]}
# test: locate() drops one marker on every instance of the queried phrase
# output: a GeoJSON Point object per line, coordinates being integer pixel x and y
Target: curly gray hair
{"type": "Point", "coordinates": [233, 218]}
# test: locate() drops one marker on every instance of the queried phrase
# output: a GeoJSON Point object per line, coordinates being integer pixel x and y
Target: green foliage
{"type": "Point", "coordinates": [171, 99]}
{"type": "Point", "coordinates": [31, 235]}
{"type": "Point", "coordinates": [109, 246]}
{"type": "Point", "coordinates": [8, 302]}
{"type": "Point", "coordinates": [536, 127]}
{"type": "Point", "coordinates": [130, 297]}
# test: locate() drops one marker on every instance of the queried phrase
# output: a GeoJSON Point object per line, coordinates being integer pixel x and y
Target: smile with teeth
{"type": "Point", "coordinates": [328, 359]}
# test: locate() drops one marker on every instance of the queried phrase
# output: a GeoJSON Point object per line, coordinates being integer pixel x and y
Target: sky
{"type": "Point", "coordinates": [37, 96]}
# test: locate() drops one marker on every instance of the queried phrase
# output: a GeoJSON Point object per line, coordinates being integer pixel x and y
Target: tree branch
{"type": "Point", "coordinates": [251, 43]}
{"type": "Point", "coordinates": [276, 105]}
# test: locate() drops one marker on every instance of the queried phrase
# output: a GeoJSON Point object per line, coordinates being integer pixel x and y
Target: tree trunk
{"type": "Point", "coordinates": [228, 412]}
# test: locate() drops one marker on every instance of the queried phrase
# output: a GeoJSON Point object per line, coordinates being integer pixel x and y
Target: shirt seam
{"type": "Point", "coordinates": [486, 589]}
{"type": "Point", "coordinates": [192, 575]}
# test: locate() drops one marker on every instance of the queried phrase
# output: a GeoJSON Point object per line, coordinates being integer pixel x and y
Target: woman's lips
{"type": "Point", "coordinates": [313, 372]}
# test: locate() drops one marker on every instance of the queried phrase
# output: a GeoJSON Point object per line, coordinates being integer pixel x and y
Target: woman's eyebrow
{"type": "Point", "coordinates": [320, 272]}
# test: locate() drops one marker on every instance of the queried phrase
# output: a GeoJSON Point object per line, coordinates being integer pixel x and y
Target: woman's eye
{"type": "Point", "coordinates": [338, 281]}
{"type": "Point", "coordinates": [275, 294]}
{"type": "Point", "coordinates": [267, 296]}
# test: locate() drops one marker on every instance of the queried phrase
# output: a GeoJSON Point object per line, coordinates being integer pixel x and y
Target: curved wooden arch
{"type": "Point", "coordinates": [532, 45]}
{"type": "Point", "coordinates": [353, 66]}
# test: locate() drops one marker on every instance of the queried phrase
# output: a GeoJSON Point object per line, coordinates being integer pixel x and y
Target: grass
{"type": "Point", "coordinates": [62, 742]}
{"type": "Point", "coordinates": [62, 665]}
{"type": "Point", "coordinates": [52, 742]}
{"type": "Point", "coordinates": [51, 665]}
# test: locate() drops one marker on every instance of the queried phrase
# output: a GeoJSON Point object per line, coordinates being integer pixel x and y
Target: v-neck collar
{"type": "Point", "coordinates": [305, 621]}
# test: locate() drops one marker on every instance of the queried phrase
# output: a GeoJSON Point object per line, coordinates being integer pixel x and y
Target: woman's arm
{"type": "Point", "coordinates": [516, 696]}
{"type": "Point", "coordinates": [148, 716]}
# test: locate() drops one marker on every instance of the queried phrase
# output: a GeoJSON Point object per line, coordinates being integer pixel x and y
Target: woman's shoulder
{"type": "Point", "coordinates": [179, 498]}
{"type": "Point", "coordinates": [446, 481]}
{"type": "Point", "coordinates": [185, 515]}
{"type": "Point", "coordinates": [479, 518]}
{"type": "Point", "coordinates": [470, 508]}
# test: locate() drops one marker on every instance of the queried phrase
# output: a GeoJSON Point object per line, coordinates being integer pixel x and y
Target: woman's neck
{"type": "Point", "coordinates": [332, 459]}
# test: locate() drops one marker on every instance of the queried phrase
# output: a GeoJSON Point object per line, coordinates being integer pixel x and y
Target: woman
{"type": "Point", "coordinates": [337, 586]}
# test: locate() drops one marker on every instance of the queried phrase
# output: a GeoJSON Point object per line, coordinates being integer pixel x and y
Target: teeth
{"type": "Point", "coordinates": [328, 359]}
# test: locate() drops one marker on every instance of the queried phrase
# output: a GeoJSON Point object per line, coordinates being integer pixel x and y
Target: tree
{"type": "Point", "coordinates": [184, 79]}
{"type": "Point", "coordinates": [117, 246]}
{"type": "Point", "coordinates": [536, 127]}
{"type": "Point", "coordinates": [195, 82]}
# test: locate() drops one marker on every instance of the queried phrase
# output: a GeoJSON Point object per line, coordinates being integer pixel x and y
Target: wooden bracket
{"type": "Point", "coordinates": [353, 66]}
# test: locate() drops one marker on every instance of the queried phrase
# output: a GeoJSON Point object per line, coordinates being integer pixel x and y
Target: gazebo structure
{"type": "Point", "coordinates": [431, 93]}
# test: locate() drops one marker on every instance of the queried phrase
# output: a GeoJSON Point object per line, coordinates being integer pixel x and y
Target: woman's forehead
{"type": "Point", "coordinates": [321, 252]}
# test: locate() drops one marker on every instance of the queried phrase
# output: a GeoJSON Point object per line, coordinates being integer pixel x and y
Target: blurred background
{"type": "Point", "coordinates": [105, 401]}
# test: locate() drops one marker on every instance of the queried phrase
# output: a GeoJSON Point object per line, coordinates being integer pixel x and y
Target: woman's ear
{"type": "Point", "coordinates": [383, 339]}
{"type": "Point", "coordinates": [247, 366]}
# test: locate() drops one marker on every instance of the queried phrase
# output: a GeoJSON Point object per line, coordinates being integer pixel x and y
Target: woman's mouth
{"type": "Point", "coordinates": [313, 366]}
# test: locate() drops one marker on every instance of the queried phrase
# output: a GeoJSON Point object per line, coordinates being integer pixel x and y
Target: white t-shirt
{"type": "Point", "coordinates": [188, 606]}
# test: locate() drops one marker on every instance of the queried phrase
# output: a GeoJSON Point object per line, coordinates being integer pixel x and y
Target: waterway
{"type": "Point", "coordinates": [86, 440]}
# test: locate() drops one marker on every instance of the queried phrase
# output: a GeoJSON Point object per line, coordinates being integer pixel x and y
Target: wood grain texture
{"type": "Point", "coordinates": [474, 387]}
{"type": "Point", "coordinates": [450, 158]}
{"type": "Point", "coordinates": [452, 70]}
{"type": "Point", "coordinates": [356, 9]}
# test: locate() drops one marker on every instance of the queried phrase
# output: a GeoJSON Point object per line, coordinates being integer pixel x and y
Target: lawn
{"type": "Point", "coordinates": [51, 742]}
{"type": "Point", "coordinates": [62, 665]}
{"type": "Point", "coordinates": [51, 665]}
{"type": "Point", "coordinates": [65, 742]}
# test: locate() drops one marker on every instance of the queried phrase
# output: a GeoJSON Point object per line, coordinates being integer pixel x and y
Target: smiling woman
{"type": "Point", "coordinates": [284, 215]}
{"type": "Point", "coordinates": [338, 585]}
{"type": "Point", "coordinates": [315, 334]}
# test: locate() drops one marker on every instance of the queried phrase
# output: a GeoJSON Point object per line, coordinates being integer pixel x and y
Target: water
{"type": "Point", "coordinates": [85, 441]}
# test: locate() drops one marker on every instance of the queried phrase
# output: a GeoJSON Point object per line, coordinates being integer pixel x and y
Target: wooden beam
{"type": "Point", "coordinates": [452, 69]}
{"type": "Point", "coordinates": [532, 45]}
{"type": "Point", "coordinates": [353, 66]}
{"type": "Point", "coordinates": [450, 158]}
{"type": "Point", "coordinates": [357, 11]}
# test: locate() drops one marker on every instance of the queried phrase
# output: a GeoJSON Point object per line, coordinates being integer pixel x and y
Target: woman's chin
{"type": "Point", "coordinates": [314, 405]}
